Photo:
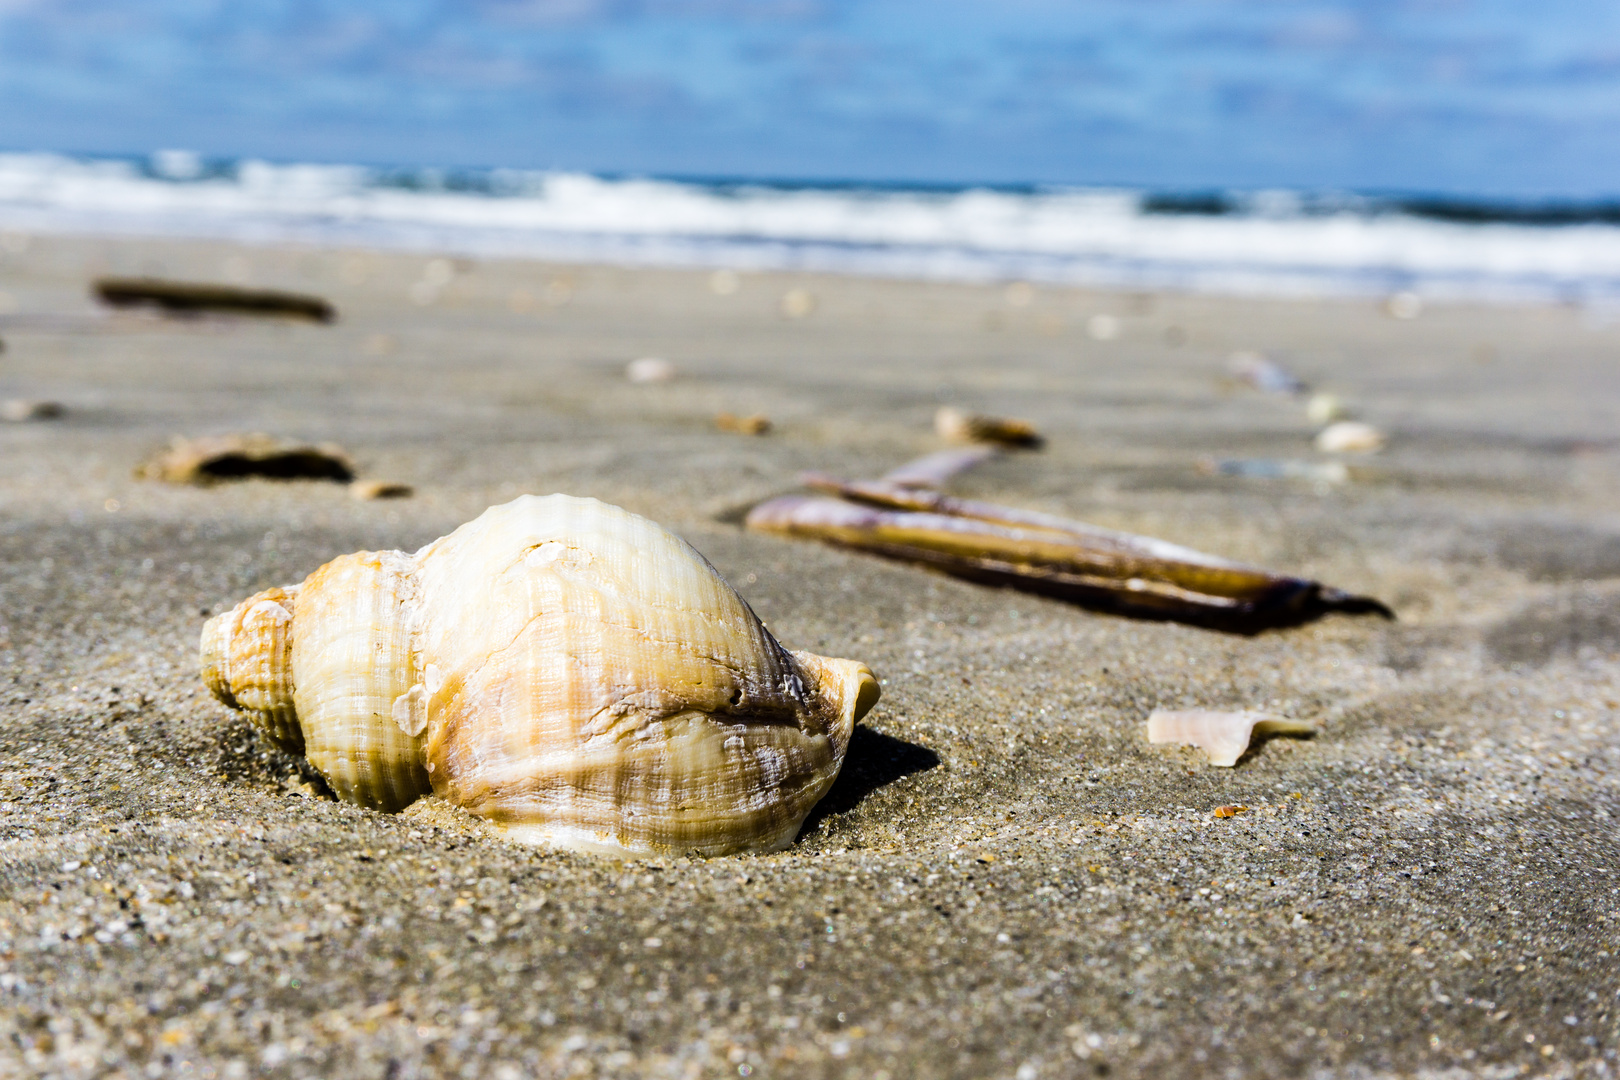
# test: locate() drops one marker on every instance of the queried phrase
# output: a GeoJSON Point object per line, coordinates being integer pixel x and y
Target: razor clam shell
{"type": "Point", "coordinates": [932, 470]}
{"type": "Point", "coordinates": [1035, 552]}
{"type": "Point", "coordinates": [1224, 736]}
{"type": "Point", "coordinates": [603, 687]}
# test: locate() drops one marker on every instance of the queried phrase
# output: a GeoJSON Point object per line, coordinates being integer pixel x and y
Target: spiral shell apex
{"type": "Point", "coordinates": [573, 673]}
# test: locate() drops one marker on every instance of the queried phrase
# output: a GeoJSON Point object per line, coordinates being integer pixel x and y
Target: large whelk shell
{"type": "Point", "coordinates": [574, 673]}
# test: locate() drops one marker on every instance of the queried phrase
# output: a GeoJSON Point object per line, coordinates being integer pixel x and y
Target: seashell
{"type": "Point", "coordinates": [933, 470]}
{"type": "Point", "coordinates": [1264, 374]}
{"type": "Point", "coordinates": [650, 369]}
{"type": "Point", "coordinates": [22, 410]}
{"type": "Point", "coordinates": [215, 458]}
{"type": "Point", "coordinates": [188, 298]}
{"type": "Point", "coordinates": [958, 426]}
{"type": "Point", "coordinates": [1224, 736]}
{"type": "Point", "coordinates": [798, 303]}
{"type": "Point", "coordinates": [1404, 305]}
{"type": "Point", "coordinates": [756, 424]}
{"type": "Point", "coordinates": [1324, 472]}
{"type": "Point", "coordinates": [1350, 437]}
{"type": "Point", "coordinates": [1102, 327]}
{"type": "Point", "coordinates": [1041, 553]}
{"type": "Point", "coordinates": [1325, 408]}
{"type": "Point", "coordinates": [366, 490]}
{"type": "Point", "coordinates": [575, 674]}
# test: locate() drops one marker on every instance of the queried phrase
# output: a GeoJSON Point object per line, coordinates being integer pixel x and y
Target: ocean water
{"type": "Point", "coordinates": [1288, 243]}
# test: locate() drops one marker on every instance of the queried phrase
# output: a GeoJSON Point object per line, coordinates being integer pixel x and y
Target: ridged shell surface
{"type": "Point", "coordinates": [570, 671]}
{"type": "Point", "coordinates": [595, 682]}
{"type": "Point", "coordinates": [247, 663]}
{"type": "Point", "coordinates": [351, 660]}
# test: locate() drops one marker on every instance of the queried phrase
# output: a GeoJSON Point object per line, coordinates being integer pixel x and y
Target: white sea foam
{"type": "Point", "coordinates": [1277, 243]}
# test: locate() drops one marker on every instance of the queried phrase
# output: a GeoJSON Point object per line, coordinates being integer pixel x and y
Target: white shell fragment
{"type": "Point", "coordinates": [1325, 409]}
{"type": "Point", "coordinates": [1224, 736]}
{"type": "Point", "coordinates": [570, 672]}
{"type": "Point", "coordinates": [22, 410]}
{"type": "Point", "coordinates": [1350, 437]}
{"type": "Point", "coordinates": [650, 369]}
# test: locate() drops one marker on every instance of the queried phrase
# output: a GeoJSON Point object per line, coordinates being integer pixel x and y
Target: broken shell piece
{"type": "Point", "coordinates": [569, 672]}
{"type": "Point", "coordinates": [757, 424]}
{"type": "Point", "coordinates": [365, 490]}
{"type": "Point", "coordinates": [22, 410]}
{"type": "Point", "coordinates": [1224, 736]}
{"type": "Point", "coordinates": [1230, 811]}
{"type": "Point", "coordinates": [650, 369]}
{"type": "Point", "coordinates": [958, 426]}
{"type": "Point", "coordinates": [1350, 437]}
{"type": "Point", "coordinates": [214, 458]}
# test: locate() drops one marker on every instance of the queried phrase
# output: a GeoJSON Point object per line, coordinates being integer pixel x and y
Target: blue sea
{"type": "Point", "coordinates": [1249, 242]}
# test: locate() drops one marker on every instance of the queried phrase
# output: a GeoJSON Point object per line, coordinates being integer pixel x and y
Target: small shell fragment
{"type": "Point", "coordinates": [1224, 736]}
{"type": "Point", "coordinates": [958, 426]}
{"type": "Point", "coordinates": [756, 424]}
{"type": "Point", "coordinates": [1264, 374]}
{"type": "Point", "coordinates": [22, 410]}
{"type": "Point", "coordinates": [650, 369]}
{"type": "Point", "coordinates": [1230, 811]}
{"type": "Point", "coordinates": [1350, 437]}
{"type": "Point", "coordinates": [216, 458]}
{"type": "Point", "coordinates": [366, 490]}
{"type": "Point", "coordinates": [798, 303]}
{"type": "Point", "coordinates": [1404, 305]}
{"type": "Point", "coordinates": [1325, 409]}
{"type": "Point", "coordinates": [1102, 327]}
{"type": "Point", "coordinates": [1326, 472]}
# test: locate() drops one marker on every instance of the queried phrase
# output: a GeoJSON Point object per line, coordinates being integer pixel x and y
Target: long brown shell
{"type": "Point", "coordinates": [1042, 553]}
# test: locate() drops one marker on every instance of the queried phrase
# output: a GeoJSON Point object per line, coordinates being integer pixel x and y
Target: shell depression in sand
{"type": "Point", "coordinates": [572, 673]}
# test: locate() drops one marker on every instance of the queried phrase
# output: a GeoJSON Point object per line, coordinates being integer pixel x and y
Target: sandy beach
{"type": "Point", "coordinates": [1008, 880]}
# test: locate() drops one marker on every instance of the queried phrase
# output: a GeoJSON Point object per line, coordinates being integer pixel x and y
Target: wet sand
{"type": "Point", "coordinates": [1007, 881]}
